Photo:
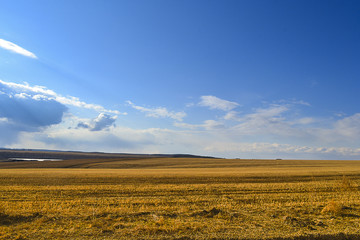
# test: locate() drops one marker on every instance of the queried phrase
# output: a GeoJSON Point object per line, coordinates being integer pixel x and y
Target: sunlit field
{"type": "Point", "coordinates": [183, 199]}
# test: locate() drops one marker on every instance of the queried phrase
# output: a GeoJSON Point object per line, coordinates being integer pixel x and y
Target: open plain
{"type": "Point", "coordinates": [180, 198]}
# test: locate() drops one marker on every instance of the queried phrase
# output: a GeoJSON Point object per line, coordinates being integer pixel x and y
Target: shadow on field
{"type": "Point", "coordinates": [340, 236]}
{"type": "Point", "coordinates": [10, 220]}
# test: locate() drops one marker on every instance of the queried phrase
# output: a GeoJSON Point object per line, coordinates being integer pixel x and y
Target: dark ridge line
{"type": "Point", "coordinates": [6, 154]}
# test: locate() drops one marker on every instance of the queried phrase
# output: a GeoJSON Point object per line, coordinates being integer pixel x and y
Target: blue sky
{"type": "Point", "coordinates": [235, 79]}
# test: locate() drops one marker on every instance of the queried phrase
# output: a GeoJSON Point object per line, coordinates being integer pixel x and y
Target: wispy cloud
{"type": "Point", "coordinates": [343, 131]}
{"type": "Point", "coordinates": [159, 112]}
{"type": "Point", "coordinates": [16, 49]}
{"type": "Point", "coordinates": [303, 121]}
{"type": "Point", "coordinates": [264, 120]}
{"type": "Point", "coordinates": [349, 126]}
{"type": "Point", "coordinates": [39, 92]}
{"type": "Point", "coordinates": [216, 103]}
{"type": "Point", "coordinates": [232, 115]}
{"type": "Point", "coordinates": [207, 125]}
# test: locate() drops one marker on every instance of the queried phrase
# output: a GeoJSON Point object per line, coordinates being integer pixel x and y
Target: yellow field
{"type": "Point", "coordinates": [180, 199]}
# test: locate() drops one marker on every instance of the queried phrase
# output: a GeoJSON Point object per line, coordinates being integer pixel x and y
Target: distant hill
{"type": "Point", "coordinates": [27, 158]}
{"type": "Point", "coordinates": [10, 154]}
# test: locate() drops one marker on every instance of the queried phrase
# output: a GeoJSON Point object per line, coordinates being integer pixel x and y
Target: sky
{"type": "Point", "coordinates": [232, 79]}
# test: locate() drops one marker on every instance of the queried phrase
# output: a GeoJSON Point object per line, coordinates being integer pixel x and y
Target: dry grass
{"type": "Point", "coordinates": [256, 201]}
{"type": "Point", "coordinates": [333, 207]}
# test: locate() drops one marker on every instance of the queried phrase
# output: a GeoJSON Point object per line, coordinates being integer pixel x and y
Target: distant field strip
{"type": "Point", "coordinates": [246, 199]}
{"type": "Point", "coordinates": [165, 163]}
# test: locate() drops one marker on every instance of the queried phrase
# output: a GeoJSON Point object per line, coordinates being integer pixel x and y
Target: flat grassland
{"type": "Point", "coordinates": [182, 199]}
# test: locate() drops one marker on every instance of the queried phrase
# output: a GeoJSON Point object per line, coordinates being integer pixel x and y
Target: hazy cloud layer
{"type": "Point", "coordinates": [117, 140]}
{"type": "Point", "coordinates": [16, 48]}
{"type": "Point", "coordinates": [275, 150]}
{"type": "Point", "coordinates": [150, 140]}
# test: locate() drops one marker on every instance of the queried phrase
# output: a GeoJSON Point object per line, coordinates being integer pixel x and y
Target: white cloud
{"type": "Point", "coordinates": [101, 122]}
{"type": "Point", "coordinates": [41, 93]}
{"type": "Point", "coordinates": [29, 114]}
{"type": "Point", "coordinates": [27, 88]}
{"type": "Point", "coordinates": [4, 120]}
{"type": "Point", "coordinates": [216, 103]}
{"type": "Point", "coordinates": [22, 96]}
{"type": "Point", "coordinates": [20, 114]}
{"type": "Point", "coordinates": [74, 101]}
{"type": "Point", "coordinates": [159, 112]}
{"type": "Point", "coordinates": [16, 49]}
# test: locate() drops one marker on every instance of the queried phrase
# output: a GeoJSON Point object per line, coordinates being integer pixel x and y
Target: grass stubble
{"type": "Point", "coordinates": [254, 202]}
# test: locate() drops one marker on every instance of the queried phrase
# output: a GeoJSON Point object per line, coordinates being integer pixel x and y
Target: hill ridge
{"type": "Point", "coordinates": [6, 154]}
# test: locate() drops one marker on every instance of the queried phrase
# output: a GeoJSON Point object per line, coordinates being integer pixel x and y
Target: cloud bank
{"type": "Point", "coordinates": [19, 113]}
{"type": "Point", "coordinates": [25, 108]}
{"type": "Point", "coordinates": [30, 113]}
{"type": "Point", "coordinates": [16, 49]}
